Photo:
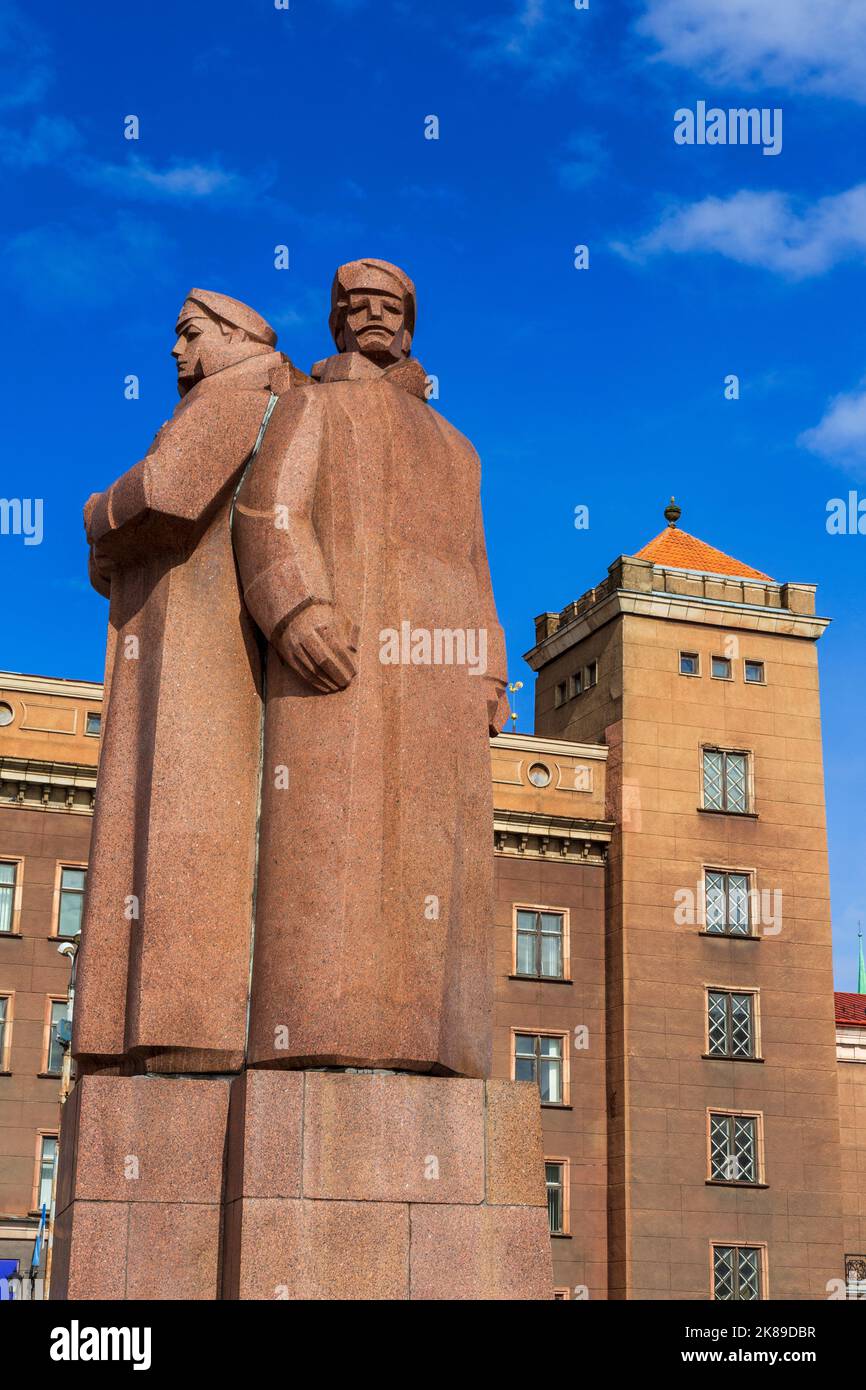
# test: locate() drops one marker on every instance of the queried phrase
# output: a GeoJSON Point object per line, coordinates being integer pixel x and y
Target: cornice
{"type": "Point", "coordinates": [685, 608]}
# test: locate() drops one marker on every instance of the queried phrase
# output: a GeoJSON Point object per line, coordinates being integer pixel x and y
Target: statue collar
{"type": "Point", "coordinates": [354, 366]}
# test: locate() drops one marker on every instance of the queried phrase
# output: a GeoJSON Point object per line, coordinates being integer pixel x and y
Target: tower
{"type": "Point", "coordinates": [699, 673]}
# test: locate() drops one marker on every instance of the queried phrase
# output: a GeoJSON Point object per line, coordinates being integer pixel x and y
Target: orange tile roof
{"type": "Point", "coordinates": [681, 551]}
{"type": "Point", "coordinates": [851, 1009]}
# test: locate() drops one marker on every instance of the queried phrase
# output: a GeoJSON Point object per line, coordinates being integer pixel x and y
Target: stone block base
{"type": "Point", "coordinates": [301, 1185]}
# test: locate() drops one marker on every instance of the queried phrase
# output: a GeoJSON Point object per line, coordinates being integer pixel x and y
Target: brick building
{"type": "Point", "coordinates": [49, 740]}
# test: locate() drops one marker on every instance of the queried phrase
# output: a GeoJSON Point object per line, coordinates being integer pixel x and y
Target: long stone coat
{"type": "Point", "coordinates": [373, 927]}
{"type": "Point", "coordinates": [165, 944]}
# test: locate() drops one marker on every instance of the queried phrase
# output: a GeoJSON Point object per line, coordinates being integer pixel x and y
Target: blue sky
{"type": "Point", "coordinates": [262, 126]}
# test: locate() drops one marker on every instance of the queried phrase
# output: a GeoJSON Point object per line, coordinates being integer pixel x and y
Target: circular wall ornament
{"type": "Point", "coordinates": [539, 775]}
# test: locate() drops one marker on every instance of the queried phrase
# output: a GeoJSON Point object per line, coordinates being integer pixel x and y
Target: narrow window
{"type": "Point", "coordinates": [591, 675]}
{"type": "Point", "coordinates": [721, 668]}
{"type": "Point", "coordinates": [755, 672]}
{"type": "Point", "coordinates": [554, 1174]}
{"type": "Point", "coordinates": [4, 1031]}
{"type": "Point", "coordinates": [734, 1148]}
{"type": "Point", "coordinates": [93, 724]}
{"type": "Point", "coordinates": [725, 781]}
{"type": "Point", "coordinates": [54, 1060]}
{"type": "Point", "coordinates": [45, 1173]}
{"type": "Point", "coordinates": [726, 909]}
{"type": "Point", "coordinates": [736, 1272]}
{"type": "Point", "coordinates": [7, 895]}
{"type": "Point", "coordinates": [559, 694]}
{"type": "Point", "coordinates": [731, 1023]}
{"type": "Point", "coordinates": [690, 664]}
{"type": "Point", "coordinates": [72, 882]}
{"type": "Point", "coordinates": [576, 684]}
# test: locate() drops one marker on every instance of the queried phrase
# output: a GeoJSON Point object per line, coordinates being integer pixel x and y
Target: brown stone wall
{"type": "Point", "coordinates": [578, 1132]}
{"type": "Point", "coordinates": [664, 1214]}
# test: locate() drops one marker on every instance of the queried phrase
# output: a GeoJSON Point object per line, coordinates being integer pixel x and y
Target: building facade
{"type": "Point", "coordinates": [49, 741]}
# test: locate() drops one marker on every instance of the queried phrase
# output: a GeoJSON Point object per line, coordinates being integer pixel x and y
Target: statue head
{"type": "Point", "coordinates": [213, 332]}
{"type": "Point", "coordinates": [373, 310]}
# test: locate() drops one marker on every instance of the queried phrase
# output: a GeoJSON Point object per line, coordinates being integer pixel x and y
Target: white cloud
{"type": "Point", "coordinates": [765, 230]}
{"type": "Point", "coordinates": [178, 182]}
{"type": "Point", "coordinates": [58, 264]}
{"type": "Point", "coordinates": [840, 437]}
{"type": "Point", "coordinates": [816, 45]}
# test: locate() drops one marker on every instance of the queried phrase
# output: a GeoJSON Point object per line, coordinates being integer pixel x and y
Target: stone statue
{"type": "Point", "coordinates": [290, 889]}
{"type": "Point", "coordinates": [360, 548]}
{"type": "Point", "coordinates": [166, 941]}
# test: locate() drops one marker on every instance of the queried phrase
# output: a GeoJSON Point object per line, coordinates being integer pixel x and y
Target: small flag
{"type": "Point", "coordinates": [37, 1247]}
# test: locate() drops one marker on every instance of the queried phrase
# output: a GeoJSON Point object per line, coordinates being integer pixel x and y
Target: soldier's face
{"type": "Point", "coordinates": [375, 323]}
{"type": "Point", "coordinates": [203, 347]}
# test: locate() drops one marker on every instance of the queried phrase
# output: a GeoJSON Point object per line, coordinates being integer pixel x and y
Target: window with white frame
{"type": "Point", "coordinates": [726, 780]}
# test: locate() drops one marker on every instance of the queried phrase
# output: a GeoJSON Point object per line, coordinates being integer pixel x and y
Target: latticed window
{"type": "Point", "coordinates": [731, 1024]}
{"type": "Point", "coordinates": [726, 910]}
{"type": "Point", "coordinates": [725, 780]}
{"type": "Point", "coordinates": [554, 1174]}
{"type": "Point", "coordinates": [540, 943]}
{"type": "Point", "coordinates": [7, 895]}
{"type": "Point", "coordinates": [736, 1272]}
{"type": "Point", "coordinates": [540, 1059]}
{"type": "Point", "coordinates": [734, 1148]}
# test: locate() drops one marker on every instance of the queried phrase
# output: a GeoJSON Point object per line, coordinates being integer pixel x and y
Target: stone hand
{"type": "Point", "coordinates": [321, 645]}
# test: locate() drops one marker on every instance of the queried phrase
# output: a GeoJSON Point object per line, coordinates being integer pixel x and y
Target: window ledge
{"type": "Point", "coordinates": [16, 935]}
{"type": "Point", "coordinates": [721, 1182]}
{"type": "Point", "coordinates": [714, 811]}
{"type": "Point", "coordinates": [729, 936]}
{"type": "Point", "coordinates": [561, 1235]}
{"type": "Point", "coordinates": [50, 1075]}
{"type": "Point", "coordinates": [720, 1057]}
{"type": "Point", "coordinates": [4, 1071]}
{"type": "Point", "coordinates": [555, 1105]}
{"type": "Point", "coordinates": [541, 979]}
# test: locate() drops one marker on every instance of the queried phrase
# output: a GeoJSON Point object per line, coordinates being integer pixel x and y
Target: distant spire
{"type": "Point", "coordinates": [861, 972]}
{"type": "Point", "coordinates": [672, 513]}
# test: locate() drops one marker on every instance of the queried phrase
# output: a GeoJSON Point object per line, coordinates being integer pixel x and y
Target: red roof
{"type": "Point", "coordinates": [851, 1009]}
{"type": "Point", "coordinates": [679, 550]}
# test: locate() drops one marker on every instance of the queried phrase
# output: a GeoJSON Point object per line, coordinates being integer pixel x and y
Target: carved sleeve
{"type": "Point", "coordinates": [280, 561]}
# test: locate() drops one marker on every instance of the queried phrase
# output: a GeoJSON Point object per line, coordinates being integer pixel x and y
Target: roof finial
{"type": "Point", "coordinates": [672, 513]}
